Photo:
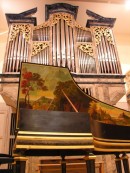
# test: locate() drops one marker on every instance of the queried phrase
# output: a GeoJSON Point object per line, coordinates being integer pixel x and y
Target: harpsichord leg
{"type": "Point", "coordinates": [90, 162]}
{"type": "Point", "coordinates": [118, 163]}
{"type": "Point", "coordinates": [63, 164]}
{"type": "Point", "coordinates": [125, 163]}
{"type": "Point", "coordinates": [20, 166]}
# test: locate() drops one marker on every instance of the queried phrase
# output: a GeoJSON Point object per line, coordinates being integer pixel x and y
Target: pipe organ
{"type": "Point", "coordinates": [89, 52]}
{"type": "Point", "coordinates": [61, 41]}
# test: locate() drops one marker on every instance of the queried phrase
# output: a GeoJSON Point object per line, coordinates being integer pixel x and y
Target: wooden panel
{"type": "Point", "coordinates": [73, 165]}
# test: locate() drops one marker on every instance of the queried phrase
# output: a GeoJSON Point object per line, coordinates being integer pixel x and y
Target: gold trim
{"type": "Point", "coordinates": [16, 155]}
{"type": "Point", "coordinates": [54, 133]}
{"type": "Point", "coordinates": [54, 147]}
{"type": "Point", "coordinates": [90, 157]}
{"type": "Point", "coordinates": [110, 140]}
{"type": "Point", "coordinates": [14, 163]}
{"type": "Point", "coordinates": [20, 158]}
{"type": "Point", "coordinates": [56, 164]}
{"type": "Point", "coordinates": [111, 144]}
{"type": "Point", "coordinates": [52, 138]}
{"type": "Point", "coordinates": [111, 150]}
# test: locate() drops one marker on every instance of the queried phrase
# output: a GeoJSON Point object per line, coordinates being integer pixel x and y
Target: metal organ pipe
{"type": "Point", "coordinates": [14, 53]}
{"type": "Point", "coordinates": [63, 43]}
{"type": "Point", "coordinates": [67, 46]}
{"type": "Point", "coordinates": [18, 51]}
{"type": "Point", "coordinates": [8, 56]}
{"type": "Point", "coordinates": [55, 35]}
{"type": "Point", "coordinates": [82, 35]}
{"type": "Point", "coordinates": [44, 35]}
{"type": "Point", "coordinates": [72, 48]}
{"type": "Point", "coordinates": [87, 62]}
{"type": "Point", "coordinates": [104, 54]}
{"type": "Point", "coordinates": [115, 60]}
{"type": "Point", "coordinates": [58, 45]}
{"type": "Point", "coordinates": [11, 55]}
{"type": "Point", "coordinates": [53, 46]}
{"type": "Point", "coordinates": [77, 30]}
{"type": "Point", "coordinates": [21, 58]}
{"type": "Point", "coordinates": [106, 57]}
{"type": "Point", "coordinates": [100, 59]}
{"type": "Point", "coordinates": [110, 54]}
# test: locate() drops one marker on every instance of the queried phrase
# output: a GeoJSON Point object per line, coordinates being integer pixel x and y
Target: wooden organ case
{"type": "Point", "coordinates": [89, 53]}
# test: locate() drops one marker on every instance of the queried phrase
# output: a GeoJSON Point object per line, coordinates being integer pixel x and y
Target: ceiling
{"type": "Point", "coordinates": [106, 8]}
{"type": "Point", "coordinates": [105, 1]}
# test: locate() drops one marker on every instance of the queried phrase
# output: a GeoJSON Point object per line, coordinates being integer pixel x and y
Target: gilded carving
{"type": "Point", "coordinates": [54, 19]}
{"type": "Point", "coordinates": [80, 27]}
{"type": "Point", "coordinates": [87, 48]}
{"type": "Point", "coordinates": [57, 16]}
{"type": "Point", "coordinates": [24, 28]}
{"type": "Point", "coordinates": [38, 47]}
{"type": "Point", "coordinates": [102, 31]}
